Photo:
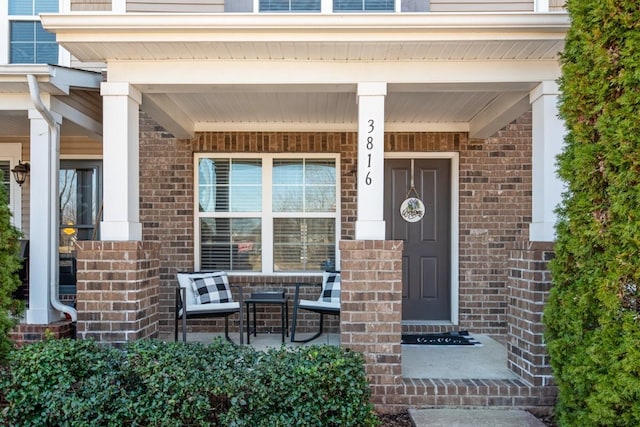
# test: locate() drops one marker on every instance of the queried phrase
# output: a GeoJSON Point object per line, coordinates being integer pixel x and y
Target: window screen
{"type": "Point", "coordinates": [363, 5]}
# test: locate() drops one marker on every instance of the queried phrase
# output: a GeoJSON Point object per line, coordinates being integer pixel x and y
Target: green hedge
{"type": "Point", "coordinates": [154, 383]}
{"type": "Point", "coordinates": [10, 308]}
{"type": "Point", "coordinates": [592, 318]}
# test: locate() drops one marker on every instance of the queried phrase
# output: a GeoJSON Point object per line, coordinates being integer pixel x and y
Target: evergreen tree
{"type": "Point", "coordinates": [592, 318]}
{"type": "Point", "coordinates": [10, 263]}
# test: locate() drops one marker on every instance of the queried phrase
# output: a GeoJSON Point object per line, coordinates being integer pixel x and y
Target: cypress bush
{"type": "Point", "coordinates": [592, 317]}
{"type": "Point", "coordinates": [10, 263]}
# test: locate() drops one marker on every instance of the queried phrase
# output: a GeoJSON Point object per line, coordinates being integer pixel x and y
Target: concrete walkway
{"type": "Point", "coordinates": [473, 418]}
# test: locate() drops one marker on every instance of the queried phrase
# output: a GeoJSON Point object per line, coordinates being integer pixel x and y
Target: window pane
{"type": "Point", "coordinates": [289, 5]}
{"type": "Point", "coordinates": [303, 244]}
{"type": "Point", "coordinates": [320, 199]}
{"type": "Point", "coordinates": [305, 5]}
{"type": "Point", "coordinates": [364, 5]}
{"type": "Point", "coordinates": [22, 53]}
{"type": "Point", "coordinates": [44, 6]}
{"type": "Point", "coordinates": [20, 7]}
{"type": "Point", "coordinates": [231, 244]}
{"type": "Point", "coordinates": [46, 53]}
{"type": "Point", "coordinates": [287, 172]}
{"type": "Point", "coordinates": [23, 31]}
{"type": "Point", "coordinates": [43, 35]}
{"type": "Point", "coordinates": [304, 186]}
{"type": "Point", "coordinates": [230, 186]}
{"type": "Point", "coordinates": [288, 198]}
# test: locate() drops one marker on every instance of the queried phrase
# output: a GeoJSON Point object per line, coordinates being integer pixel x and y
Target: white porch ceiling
{"type": "Point", "coordinates": [73, 94]}
{"type": "Point", "coordinates": [208, 72]}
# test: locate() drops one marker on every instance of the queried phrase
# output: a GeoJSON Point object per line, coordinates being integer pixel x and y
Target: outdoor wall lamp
{"type": "Point", "coordinates": [20, 172]}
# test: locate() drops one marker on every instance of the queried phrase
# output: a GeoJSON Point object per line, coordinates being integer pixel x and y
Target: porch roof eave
{"type": "Point", "coordinates": [107, 36]}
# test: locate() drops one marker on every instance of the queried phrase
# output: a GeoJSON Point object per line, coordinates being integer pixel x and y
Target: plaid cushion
{"type": "Point", "coordinates": [212, 289]}
{"type": "Point", "coordinates": [330, 287]}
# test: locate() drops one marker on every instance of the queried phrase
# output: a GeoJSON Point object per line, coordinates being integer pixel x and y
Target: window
{"type": "Point", "coordinates": [363, 5]}
{"type": "Point", "coordinates": [289, 5]}
{"type": "Point", "coordinates": [80, 194]}
{"type": "Point", "coordinates": [32, 7]}
{"type": "Point", "coordinates": [29, 42]}
{"type": "Point", "coordinates": [271, 214]}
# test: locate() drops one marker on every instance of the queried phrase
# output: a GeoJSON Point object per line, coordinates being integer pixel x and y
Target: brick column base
{"type": "Point", "coordinates": [371, 313]}
{"type": "Point", "coordinates": [529, 286]}
{"type": "Point", "coordinates": [26, 334]}
{"type": "Point", "coordinates": [117, 290]}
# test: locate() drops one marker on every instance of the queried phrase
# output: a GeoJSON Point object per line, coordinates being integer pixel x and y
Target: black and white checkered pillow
{"type": "Point", "coordinates": [212, 289]}
{"type": "Point", "coordinates": [330, 287]}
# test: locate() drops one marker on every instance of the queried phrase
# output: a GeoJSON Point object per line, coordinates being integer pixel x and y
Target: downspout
{"type": "Point", "coordinates": [34, 91]}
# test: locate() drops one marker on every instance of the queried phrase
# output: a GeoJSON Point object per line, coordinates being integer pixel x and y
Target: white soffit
{"type": "Point", "coordinates": [453, 36]}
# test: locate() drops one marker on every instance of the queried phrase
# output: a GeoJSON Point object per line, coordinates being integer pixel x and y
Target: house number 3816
{"type": "Point", "coordinates": [369, 146]}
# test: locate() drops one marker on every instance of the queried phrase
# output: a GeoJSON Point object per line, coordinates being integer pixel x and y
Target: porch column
{"type": "Point", "coordinates": [121, 210]}
{"type": "Point", "coordinates": [370, 224]}
{"type": "Point", "coordinates": [548, 140]}
{"type": "Point", "coordinates": [43, 218]}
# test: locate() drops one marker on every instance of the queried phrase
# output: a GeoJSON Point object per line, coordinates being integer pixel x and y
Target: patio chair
{"type": "Point", "coordinates": [328, 303]}
{"type": "Point", "coordinates": [201, 295]}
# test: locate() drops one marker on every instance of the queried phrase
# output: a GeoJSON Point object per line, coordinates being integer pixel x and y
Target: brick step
{"type": "Point", "coordinates": [430, 392]}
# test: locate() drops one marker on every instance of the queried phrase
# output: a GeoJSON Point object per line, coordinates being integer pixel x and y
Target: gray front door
{"type": "Point", "coordinates": [427, 243]}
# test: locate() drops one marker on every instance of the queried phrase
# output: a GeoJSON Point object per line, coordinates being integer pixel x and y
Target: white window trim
{"type": "Point", "coordinates": [13, 153]}
{"type": "Point", "coordinates": [266, 215]}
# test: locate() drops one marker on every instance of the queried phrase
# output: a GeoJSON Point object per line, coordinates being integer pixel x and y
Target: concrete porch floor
{"type": "Point", "coordinates": [488, 361]}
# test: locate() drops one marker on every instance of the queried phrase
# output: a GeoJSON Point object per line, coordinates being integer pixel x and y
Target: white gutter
{"type": "Point", "coordinates": [34, 91]}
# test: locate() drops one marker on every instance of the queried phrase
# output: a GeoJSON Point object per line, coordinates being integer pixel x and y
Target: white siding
{"type": "Point", "coordinates": [176, 6]}
{"type": "Point", "coordinates": [90, 5]}
{"type": "Point", "coordinates": [482, 5]}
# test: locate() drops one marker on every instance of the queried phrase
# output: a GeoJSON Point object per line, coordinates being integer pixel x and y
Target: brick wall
{"type": "Point", "coordinates": [26, 334]}
{"type": "Point", "coordinates": [495, 209]}
{"type": "Point", "coordinates": [495, 212]}
{"type": "Point", "coordinates": [371, 312]}
{"type": "Point", "coordinates": [117, 291]}
{"type": "Point", "coordinates": [529, 286]}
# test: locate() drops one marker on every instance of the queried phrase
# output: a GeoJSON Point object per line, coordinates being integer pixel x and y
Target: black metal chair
{"type": "Point", "coordinates": [201, 295]}
{"type": "Point", "coordinates": [327, 304]}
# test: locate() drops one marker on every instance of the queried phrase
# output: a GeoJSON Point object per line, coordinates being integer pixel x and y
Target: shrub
{"type": "Point", "coordinates": [10, 261]}
{"type": "Point", "coordinates": [592, 318]}
{"type": "Point", "coordinates": [154, 383]}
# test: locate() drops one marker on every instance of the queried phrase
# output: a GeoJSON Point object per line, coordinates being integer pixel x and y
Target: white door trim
{"type": "Point", "coordinates": [455, 226]}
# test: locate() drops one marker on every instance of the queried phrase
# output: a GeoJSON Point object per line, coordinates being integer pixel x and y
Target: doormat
{"type": "Point", "coordinates": [446, 338]}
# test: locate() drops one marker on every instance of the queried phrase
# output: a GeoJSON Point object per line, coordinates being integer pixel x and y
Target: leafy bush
{"type": "Point", "coordinates": [153, 383]}
{"type": "Point", "coordinates": [10, 261]}
{"type": "Point", "coordinates": [592, 318]}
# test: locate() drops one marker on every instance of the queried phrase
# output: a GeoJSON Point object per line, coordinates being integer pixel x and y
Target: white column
{"type": "Point", "coordinates": [120, 148]}
{"type": "Point", "coordinates": [541, 6]}
{"type": "Point", "coordinates": [370, 223]}
{"type": "Point", "coordinates": [43, 218]}
{"type": "Point", "coordinates": [548, 141]}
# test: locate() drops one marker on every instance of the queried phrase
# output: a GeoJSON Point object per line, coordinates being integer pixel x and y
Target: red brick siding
{"type": "Point", "coordinates": [117, 291]}
{"type": "Point", "coordinates": [27, 334]}
{"type": "Point", "coordinates": [495, 209]}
